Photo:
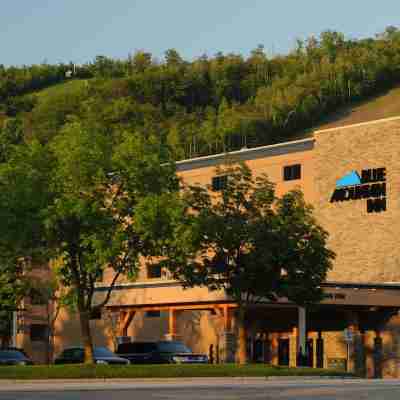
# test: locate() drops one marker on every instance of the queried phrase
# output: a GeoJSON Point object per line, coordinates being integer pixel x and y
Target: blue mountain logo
{"type": "Point", "coordinates": [350, 179]}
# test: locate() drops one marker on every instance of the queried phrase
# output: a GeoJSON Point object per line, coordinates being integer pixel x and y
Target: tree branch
{"type": "Point", "coordinates": [108, 295]}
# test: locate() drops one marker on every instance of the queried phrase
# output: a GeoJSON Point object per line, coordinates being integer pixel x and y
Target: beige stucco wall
{"type": "Point", "coordinates": [366, 244]}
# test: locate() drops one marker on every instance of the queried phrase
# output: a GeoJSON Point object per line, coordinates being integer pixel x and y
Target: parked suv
{"type": "Point", "coordinates": [101, 355]}
{"type": "Point", "coordinates": [171, 352]}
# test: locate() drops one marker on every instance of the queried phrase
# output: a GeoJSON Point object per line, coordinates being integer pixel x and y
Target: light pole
{"type": "Point", "coordinates": [14, 329]}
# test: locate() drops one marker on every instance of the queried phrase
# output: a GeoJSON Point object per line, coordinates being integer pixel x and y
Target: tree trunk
{"type": "Point", "coordinates": [242, 337]}
{"type": "Point", "coordinates": [86, 336]}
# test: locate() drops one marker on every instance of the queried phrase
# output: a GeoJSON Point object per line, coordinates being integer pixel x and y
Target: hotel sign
{"type": "Point", "coordinates": [369, 185]}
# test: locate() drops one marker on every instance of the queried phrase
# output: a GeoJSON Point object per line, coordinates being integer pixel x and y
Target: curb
{"type": "Point", "coordinates": [252, 379]}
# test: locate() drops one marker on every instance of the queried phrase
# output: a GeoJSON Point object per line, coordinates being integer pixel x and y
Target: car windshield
{"type": "Point", "coordinates": [173, 347]}
{"type": "Point", "coordinates": [103, 352]}
{"type": "Point", "coordinates": [13, 354]}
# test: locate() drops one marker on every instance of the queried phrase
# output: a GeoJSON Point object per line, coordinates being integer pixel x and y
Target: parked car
{"type": "Point", "coordinates": [171, 352]}
{"type": "Point", "coordinates": [14, 356]}
{"type": "Point", "coordinates": [76, 355]}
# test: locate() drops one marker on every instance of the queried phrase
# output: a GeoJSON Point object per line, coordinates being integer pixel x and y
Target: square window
{"type": "Point", "coordinates": [39, 333]}
{"type": "Point", "coordinates": [292, 172]}
{"type": "Point", "coordinates": [219, 182]}
{"type": "Point", "coordinates": [153, 271]}
{"type": "Point", "coordinates": [38, 297]}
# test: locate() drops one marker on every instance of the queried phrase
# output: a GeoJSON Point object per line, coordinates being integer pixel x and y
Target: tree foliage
{"type": "Point", "coordinates": [85, 202]}
{"type": "Point", "coordinates": [251, 244]}
{"type": "Point", "coordinates": [211, 104]}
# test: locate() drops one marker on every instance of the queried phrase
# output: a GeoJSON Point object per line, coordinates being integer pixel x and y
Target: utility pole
{"type": "Point", "coordinates": [14, 329]}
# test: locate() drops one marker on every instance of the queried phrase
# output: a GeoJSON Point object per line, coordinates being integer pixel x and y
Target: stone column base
{"type": "Point", "coordinates": [228, 347]}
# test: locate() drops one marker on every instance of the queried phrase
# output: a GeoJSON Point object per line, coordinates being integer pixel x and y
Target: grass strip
{"type": "Point", "coordinates": [157, 371]}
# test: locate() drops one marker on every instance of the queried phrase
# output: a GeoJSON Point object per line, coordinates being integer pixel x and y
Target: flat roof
{"type": "Point", "coordinates": [245, 154]}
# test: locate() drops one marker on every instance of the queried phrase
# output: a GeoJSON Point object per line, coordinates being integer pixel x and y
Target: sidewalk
{"type": "Point", "coordinates": [126, 384]}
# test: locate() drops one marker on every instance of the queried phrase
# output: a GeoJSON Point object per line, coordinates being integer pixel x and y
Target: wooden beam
{"type": "Point", "coordinates": [158, 307]}
{"type": "Point", "coordinates": [125, 320]}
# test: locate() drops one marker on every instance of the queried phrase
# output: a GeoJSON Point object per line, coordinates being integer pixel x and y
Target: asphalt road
{"type": "Point", "coordinates": [207, 389]}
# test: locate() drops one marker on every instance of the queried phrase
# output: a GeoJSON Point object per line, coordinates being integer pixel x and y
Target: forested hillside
{"type": "Point", "coordinates": [201, 107]}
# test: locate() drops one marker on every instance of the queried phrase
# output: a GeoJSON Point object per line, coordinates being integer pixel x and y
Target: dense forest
{"type": "Point", "coordinates": [205, 106]}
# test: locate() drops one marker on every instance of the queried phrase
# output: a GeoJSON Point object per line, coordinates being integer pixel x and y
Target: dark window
{"type": "Point", "coordinates": [73, 354]}
{"type": "Point", "coordinates": [138, 347]}
{"type": "Point", "coordinates": [38, 298]}
{"type": "Point", "coordinates": [219, 182]}
{"type": "Point", "coordinates": [154, 271]}
{"type": "Point", "coordinates": [292, 172]}
{"type": "Point", "coordinates": [95, 314]}
{"type": "Point", "coordinates": [172, 347]}
{"type": "Point", "coordinates": [39, 333]}
{"type": "Point", "coordinates": [153, 314]}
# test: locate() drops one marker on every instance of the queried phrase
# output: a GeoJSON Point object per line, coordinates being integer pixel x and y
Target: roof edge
{"type": "Point", "coordinates": [246, 154]}
{"type": "Point", "coordinates": [375, 121]}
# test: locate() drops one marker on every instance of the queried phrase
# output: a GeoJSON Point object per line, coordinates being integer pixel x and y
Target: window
{"type": "Point", "coordinates": [292, 172]}
{"type": "Point", "coordinates": [219, 182]}
{"type": "Point", "coordinates": [38, 298]}
{"type": "Point", "coordinates": [153, 271]}
{"type": "Point", "coordinates": [153, 314]}
{"type": "Point", "coordinates": [73, 354]}
{"type": "Point", "coordinates": [39, 333]}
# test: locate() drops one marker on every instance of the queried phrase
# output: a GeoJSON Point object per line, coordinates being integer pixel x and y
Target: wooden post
{"type": "Point", "coordinates": [294, 348]}
{"type": "Point", "coordinates": [171, 335]}
{"type": "Point", "coordinates": [227, 318]}
{"type": "Point", "coordinates": [274, 349]}
{"type": "Point", "coordinates": [125, 319]}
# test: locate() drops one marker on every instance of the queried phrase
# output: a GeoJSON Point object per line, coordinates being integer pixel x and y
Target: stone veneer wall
{"type": "Point", "coordinates": [367, 245]}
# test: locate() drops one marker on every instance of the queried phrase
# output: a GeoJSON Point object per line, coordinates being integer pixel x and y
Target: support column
{"type": "Point", "coordinates": [227, 338]}
{"type": "Point", "coordinates": [356, 353]}
{"type": "Point", "coordinates": [171, 335]}
{"type": "Point", "coordinates": [294, 347]}
{"type": "Point", "coordinates": [301, 349]}
{"type": "Point", "coordinates": [352, 326]}
{"type": "Point", "coordinates": [274, 349]}
{"type": "Point", "coordinates": [378, 355]}
{"type": "Point", "coordinates": [359, 348]}
{"type": "Point", "coordinates": [14, 329]}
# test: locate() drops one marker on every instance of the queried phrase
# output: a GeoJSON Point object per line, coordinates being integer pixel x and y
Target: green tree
{"type": "Point", "coordinates": [89, 205]}
{"type": "Point", "coordinates": [255, 246]}
{"type": "Point", "coordinates": [13, 287]}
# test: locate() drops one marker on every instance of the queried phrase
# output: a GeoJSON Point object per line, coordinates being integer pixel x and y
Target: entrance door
{"type": "Point", "coordinates": [283, 352]}
{"type": "Point", "coordinates": [258, 350]}
{"type": "Point", "coordinates": [310, 353]}
{"type": "Point", "coordinates": [320, 352]}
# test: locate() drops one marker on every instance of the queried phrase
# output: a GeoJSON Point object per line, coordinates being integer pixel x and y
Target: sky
{"type": "Point", "coordinates": [54, 31]}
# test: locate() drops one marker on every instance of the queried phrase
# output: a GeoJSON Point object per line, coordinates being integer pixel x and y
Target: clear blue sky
{"type": "Point", "coordinates": [33, 31]}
